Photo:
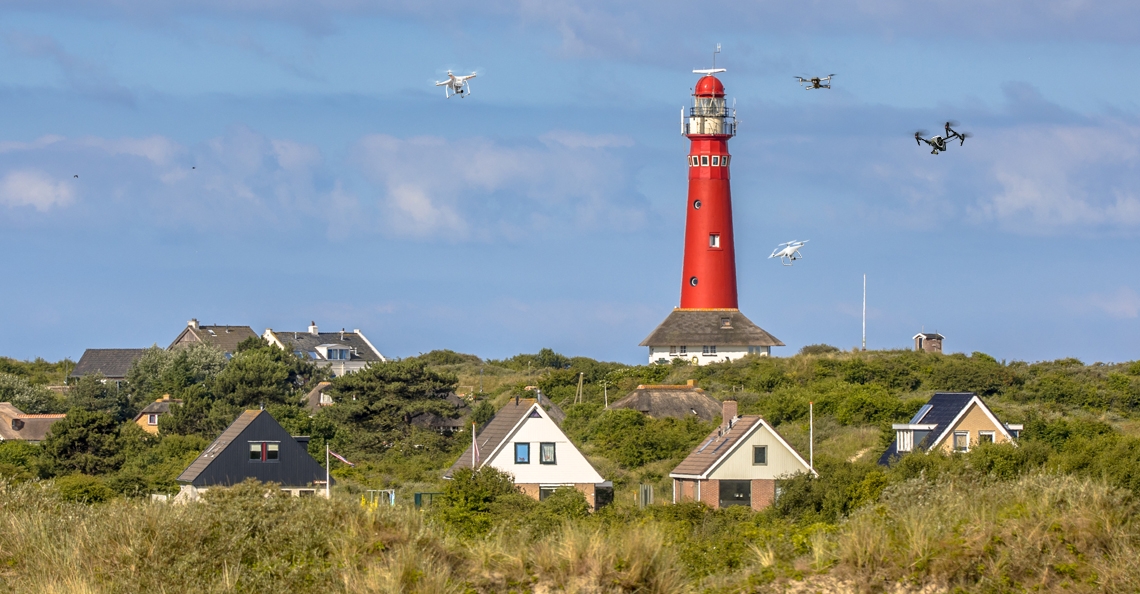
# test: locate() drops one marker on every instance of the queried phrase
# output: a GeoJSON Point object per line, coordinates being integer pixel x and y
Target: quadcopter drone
{"type": "Point", "coordinates": [940, 143]}
{"type": "Point", "coordinates": [816, 82]}
{"type": "Point", "coordinates": [456, 85]}
{"type": "Point", "coordinates": [788, 252]}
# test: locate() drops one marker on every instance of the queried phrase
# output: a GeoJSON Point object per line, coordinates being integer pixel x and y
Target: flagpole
{"type": "Point", "coordinates": [328, 491]}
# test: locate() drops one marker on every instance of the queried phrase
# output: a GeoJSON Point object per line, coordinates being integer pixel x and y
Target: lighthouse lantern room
{"type": "Point", "coordinates": [708, 326]}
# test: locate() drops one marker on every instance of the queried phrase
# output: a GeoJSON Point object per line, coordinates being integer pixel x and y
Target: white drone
{"type": "Point", "coordinates": [941, 143]}
{"type": "Point", "coordinates": [456, 85]}
{"type": "Point", "coordinates": [816, 82]}
{"type": "Point", "coordinates": [788, 252]}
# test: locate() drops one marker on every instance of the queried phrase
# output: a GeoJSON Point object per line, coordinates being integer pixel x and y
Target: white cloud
{"type": "Point", "coordinates": [1124, 303]}
{"type": "Point", "coordinates": [36, 189]}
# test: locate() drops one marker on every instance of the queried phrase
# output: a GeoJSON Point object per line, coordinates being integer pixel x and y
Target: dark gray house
{"type": "Point", "coordinates": [255, 446]}
{"type": "Point", "coordinates": [112, 363]}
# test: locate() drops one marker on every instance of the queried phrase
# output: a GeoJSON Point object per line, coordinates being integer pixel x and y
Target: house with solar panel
{"type": "Point", "coordinates": [254, 446]}
{"type": "Point", "coordinates": [738, 464]}
{"type": "Point", "coordinates": [524, 440]}
{"type": "Point", "coordinates": [950, 422]}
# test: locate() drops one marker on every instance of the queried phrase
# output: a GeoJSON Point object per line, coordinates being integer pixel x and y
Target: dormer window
{"type": "Point", "coordinates": [726, 322]}
{"type": "Point", "coordinates": [152, 419]}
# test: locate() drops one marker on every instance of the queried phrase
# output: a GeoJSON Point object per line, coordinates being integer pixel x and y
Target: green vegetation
{"type": "Point", "coordinates": [1053, 513]}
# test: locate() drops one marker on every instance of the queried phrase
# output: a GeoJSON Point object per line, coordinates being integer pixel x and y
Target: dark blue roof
{"type": "Point", "coordinates": [944, 407]}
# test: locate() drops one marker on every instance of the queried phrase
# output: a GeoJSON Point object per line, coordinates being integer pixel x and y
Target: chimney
{"type": "Point", "coordinates": [728, 413]}
{"type": "Point", "coordinates": [691, 383]}
{"type": "Point", "coordinates": [313, 328]}
{"type": "Point", "coordinates": [193, 323]}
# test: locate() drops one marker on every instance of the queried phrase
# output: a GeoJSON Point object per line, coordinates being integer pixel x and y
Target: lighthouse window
{"type": "Point", "coordinates": [724, 161]}
{"type": "Point", "coordinates": [704, 159]}
{"type": "Point", "coordinates": [696, 205]}
{"type": "Point", "coordinates": [693, 281]}
{"type": "Point", "coordinates": [714, 240]}
{"type": "Point", "coordinates": [694, 161]}
{"type": "Point", "coordinates": [716, 161]}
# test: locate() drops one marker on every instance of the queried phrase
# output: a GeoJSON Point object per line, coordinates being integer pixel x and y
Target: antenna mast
{"type": "Point", "coordinates": [714, 55]}
{"type": "Point", "coordinates": [864, 311]}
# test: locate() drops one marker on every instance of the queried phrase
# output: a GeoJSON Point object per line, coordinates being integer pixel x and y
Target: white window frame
{"type": "Point", "coordinates": [904, 441]}
{"type": "Point", "coordinates": [958, 434]}
{"type": "Point", "coordinates": [152, 419]}
{"type": "Point", "coordinates": [715, 160]}
{"type": "Point", "coordinates": [714, 240]}
{"type": "Point", "coordinates": [708, 350]}
{"type": "Point", "coordinates": [991, 434]}
{"type": "Point", "coordinates": [704, 160]}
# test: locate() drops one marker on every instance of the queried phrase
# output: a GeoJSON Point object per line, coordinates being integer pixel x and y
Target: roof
{"type": "Point", "coordinates": [943, 411]}
{"type": "Point", "coordinates": [224, 338]}
{"type": "Point", "coordinates": [495, 432]}
{"type": "Point", "coordinates": [717, 327]}
{"type": "Point", "coordinates": [709, 86]}
{"type": "Point", "coordinates": [671, 401]}
{"type": "Point", "coordinates": [158, 406]}
{"type": "Point", "coordinates": [720, 444]}
{"type": "Point", "coordinates": [228, 436]}
{"type": "Point", "coordinates": [429, 420]}
{"type": "Point", "coordinates": [112, 363]}
{"type": "Point", "coordinates": [15, 425]}
{"type": "Point", "coordinates": [928, 335]}
{"type": "Point", "coordinates": [305, 344]}
{"type": "Point", "coordinates": [312, 400]}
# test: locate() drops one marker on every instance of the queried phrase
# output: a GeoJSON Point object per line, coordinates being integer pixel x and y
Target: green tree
{"type": "Point", "coordinates": [254, 378]}
{"type": "Point", "coordinates": [29, 398]}
{"type": "Point", "coordinates": [467, 502]}
{"type": "Point", "coordinates": [85, 442]}
{"type": "Point", "coordinates": [384, 397]}
{"type": "Point", "coordinates": [92, 393]}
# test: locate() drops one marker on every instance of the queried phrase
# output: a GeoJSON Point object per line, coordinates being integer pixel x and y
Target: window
{"type": "Point", "coordinates": [544, 492]}
{"type": "Point", "coordinates": [692, 281]}
{"type": "Point", "coordinates": [546, 454]}
{"type": "Point", "coordinates": [696, 205]}
{"type": "Point", "coordinates": [264, 451]}
{"type": "Point", "coordinates": [716, 161]}
{"type": "Point", "coordinates": [735, 493]}
{"type": "Point", "coordinates": [299, 354]}
{"type": "Point", "coordinates": [759, 455]}
{"type": "Point", "coordinates": [726, 322]}
{"type": "Point", "coordinates": [986, 437]}
{"type": "Point", "coordinates": [724, 161]}
{"type": "Point", "coordinates": [152, 419]}
{"type": "Point", "coordinates": [904, 441]}
{"type": "Point", "coordinates": [522, 453]}
{"type": "Point", "coordinates": [684, 350]}
{"type": "Point", "coordinates": [704, 159]}
{"type": "Point", "coordinates": [672, 350]}
{"type": "Point", "coordinates": [714, 240]}
{"type": "Point", "coordinates": [961, 441]}
{"type": "Point", "coordinates": [708, 349]}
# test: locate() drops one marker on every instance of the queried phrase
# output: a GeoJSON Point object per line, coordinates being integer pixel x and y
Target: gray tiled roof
{"type": "Point", "coordinates": [671, 401]}
{"type": "Point", "coordinates": [158, 406]}
{"type": "Point", "coordinates": [207, 456]}
{"type": "Point", "coordinates": [112, 363]}
{"type": "Point", "coordinates": [307, 343]}
{"type": "Point", "coordinates": [708, 327]}
{"type": "Point", "coordinates": [715, 446]}
{"type": "Point", "coordinates": [494, 433]}
{"type": "Point", "coordinates": [15, 425]}
{"type": "Point", "coordinates": [224, 338]}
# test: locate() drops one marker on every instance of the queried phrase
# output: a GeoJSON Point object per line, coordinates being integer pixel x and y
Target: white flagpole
{"type": "Point", "coordinates": [811, 435]}
{"type": "Point", "coordinates": [328, 491]}
{"type": "Point", "coordinates": [864, 312]}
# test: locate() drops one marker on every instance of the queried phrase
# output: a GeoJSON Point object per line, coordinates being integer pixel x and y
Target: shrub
{"type": "Point", "coordinates": [82, 488]}
{"type": "Point", "coordinates": [466, 503]}
{"type": "Point", "coordinates": [818, 349]}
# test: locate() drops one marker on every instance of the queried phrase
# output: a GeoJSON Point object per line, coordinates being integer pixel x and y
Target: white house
{"type": "Point", "coordinates": [342, 352]}
{"type": "Point", "coordinates": [525, 441]}
{"type": "Point", "coordinates": [702, 336]}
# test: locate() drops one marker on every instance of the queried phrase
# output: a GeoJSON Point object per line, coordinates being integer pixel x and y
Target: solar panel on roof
{"type": "Point", "coordinates": [921, 413]}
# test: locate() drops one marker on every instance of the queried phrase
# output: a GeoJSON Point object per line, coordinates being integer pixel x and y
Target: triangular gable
{"type": "Point", "coordinates": [961, 413]}
{"type": "Point", "coordinates": [571, 468]}
{"type": "Point", "coordinates": [744, 439]}
{"type": "Point", "coordinates": [514, 430]}
{"type": "Point", "coordinates": [227, 460]}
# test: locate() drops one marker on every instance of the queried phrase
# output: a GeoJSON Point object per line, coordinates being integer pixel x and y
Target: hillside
{"type": "Point", "coordinates": [1052, 513]}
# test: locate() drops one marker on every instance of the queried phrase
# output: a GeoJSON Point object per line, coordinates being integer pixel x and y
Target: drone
{"type": "Point", "coordinates": [788, 252]}
{"type": "Point", "coordinates": [456, 85]}
{"type": "Point", "coordinates": [816, 82]}
{"type": "Point", "coordinates": [939, 143]}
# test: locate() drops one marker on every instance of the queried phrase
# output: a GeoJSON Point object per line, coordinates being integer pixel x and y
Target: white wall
{"type": "Point", "coordinates": [739, 466]}
{"type": "Point", "coordinates": [571, 467]}
{"type": "Point", "coordinates": [730, 353]}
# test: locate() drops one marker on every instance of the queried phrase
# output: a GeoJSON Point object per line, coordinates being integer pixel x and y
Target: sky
{"type": "Point", "coordinates": [271, 163]}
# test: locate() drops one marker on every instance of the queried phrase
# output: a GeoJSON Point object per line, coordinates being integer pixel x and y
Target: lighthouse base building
{"type": "Point", "coordinates": [702, 336]}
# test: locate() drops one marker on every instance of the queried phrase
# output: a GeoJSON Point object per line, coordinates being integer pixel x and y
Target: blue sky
{"type": "Point", "coordinates": [274, 162]}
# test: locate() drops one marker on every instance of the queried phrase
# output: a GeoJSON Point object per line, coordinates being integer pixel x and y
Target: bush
{"type": "Point", "coordinates": [82, 488]}
{"type": "Point", "coordinates": [466, 503]}
{"type": "Point", "coordinates": [818, 349]}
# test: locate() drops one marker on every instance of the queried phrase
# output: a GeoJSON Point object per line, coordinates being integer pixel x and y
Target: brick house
{"type": "Point", "coordinates": [738, 464]}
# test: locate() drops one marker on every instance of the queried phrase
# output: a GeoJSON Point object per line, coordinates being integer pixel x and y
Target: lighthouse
{"type": "Point", "coordinates": [708, 326]}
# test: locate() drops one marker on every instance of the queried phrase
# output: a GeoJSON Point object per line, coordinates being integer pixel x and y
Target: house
{"type": "Point", "coordinates": [524, 440]}
{"type": "Point", "coordinates": [15, 425]}
{"type": "Point", "coordinates": [703, 336]}
{"type": "Point", "coordinates": [223, 338]}
{"type": "Point", "coordinates": [671, 401]}
{"type": "Point", "coordinates": [342, 352]}
{"type": "Point", "coordinates": [254, 446]}
{"type": "Point", "coordinates": [148, 416]}
{"type": "Point", "coordinates": [738, 464]}
{"type": "Point", "coordinates": [949, 422]}
{"type": "Point", "coordinates": [112, 363]}
{"type": "Point", "coordinates": [930, 342]}
{"type": "Point", "coordinates": [445, 425]}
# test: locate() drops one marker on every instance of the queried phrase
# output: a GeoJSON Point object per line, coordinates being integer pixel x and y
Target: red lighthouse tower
{"type": "Point", "coordinates": [708, 326]}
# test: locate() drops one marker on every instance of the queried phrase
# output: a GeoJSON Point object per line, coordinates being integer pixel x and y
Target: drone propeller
{"type": "Point", "coordinates": [963, 136]}
{"type": "Point", "coordinates": [918, 136]}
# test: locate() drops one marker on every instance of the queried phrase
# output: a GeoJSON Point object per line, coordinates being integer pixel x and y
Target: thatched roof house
{"type": "Point", "coordinates": [672, 401]}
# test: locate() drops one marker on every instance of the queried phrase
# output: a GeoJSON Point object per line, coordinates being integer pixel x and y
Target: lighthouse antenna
{"type": "Point", "coordinates": [715, 53]}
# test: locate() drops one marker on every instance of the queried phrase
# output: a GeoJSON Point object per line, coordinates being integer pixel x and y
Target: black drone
{"type": "Point", "coordinates": [939, 143]}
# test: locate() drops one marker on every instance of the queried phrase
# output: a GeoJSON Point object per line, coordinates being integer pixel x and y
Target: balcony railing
{"type": "Point", "coordinates": [708, 120]}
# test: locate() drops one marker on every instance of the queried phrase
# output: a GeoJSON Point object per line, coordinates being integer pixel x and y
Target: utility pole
{"type": "Point", "coordinates": [811, 435]}
{"type": "Point", "coordinates": [864, 311]}
{"type": "Point", "coordinates": [578, 396]}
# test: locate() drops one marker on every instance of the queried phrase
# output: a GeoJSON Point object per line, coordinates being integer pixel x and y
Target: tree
{"type": "Point", "coordinates": [28, 398]}
{"type": "Point", "coordinates": [253, 378]}
{"type": "Point", "coordinates": [467, 501]}
{"type": "Point", "coordinates": [384, 397]}
{"type": "Point", "coordinates": [85, 442]}
{"type": "Point", "coordinates": [91, 393]}
{"type": "Point", "coordinates": [158, 371]}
